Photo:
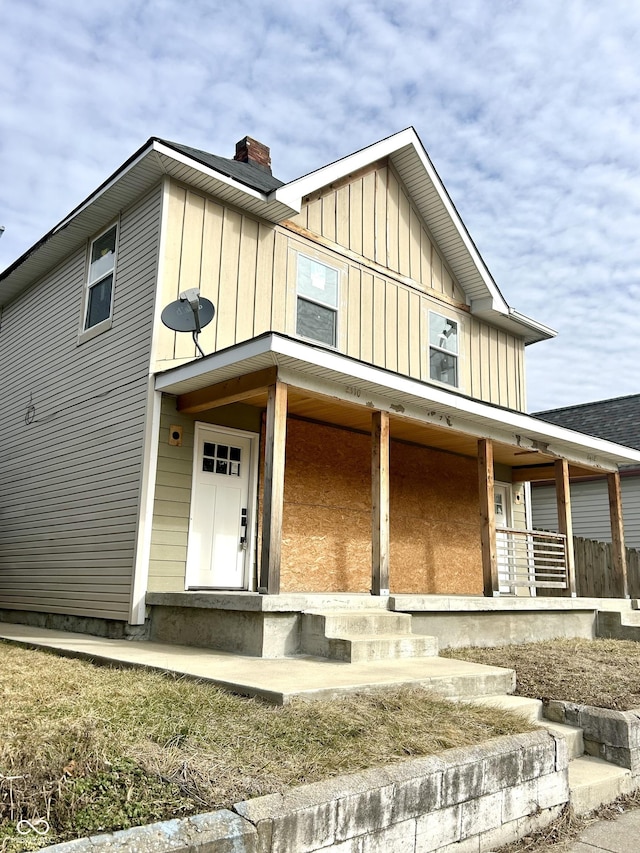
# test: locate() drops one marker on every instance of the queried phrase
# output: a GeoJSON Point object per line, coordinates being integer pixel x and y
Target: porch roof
{"type": "Point", "coordinates": [331, 387]}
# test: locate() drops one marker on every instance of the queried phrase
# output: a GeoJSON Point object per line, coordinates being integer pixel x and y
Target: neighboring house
{"type": "Point", "coordinates": [358, 424]}
{"type": "Point", "coordinates": [616, 420]}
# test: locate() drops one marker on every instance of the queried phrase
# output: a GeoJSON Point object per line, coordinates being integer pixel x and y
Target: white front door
{"type": "Point", "coordinates": [221, 515]}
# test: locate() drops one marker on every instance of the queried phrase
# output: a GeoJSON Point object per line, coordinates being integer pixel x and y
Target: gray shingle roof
{"type": "Point", "coordinates": [248, 174]}
{"type": "Point", "coordinates": [616, 420]}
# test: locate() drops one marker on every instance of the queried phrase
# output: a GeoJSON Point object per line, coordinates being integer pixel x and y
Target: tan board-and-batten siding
{"type": "Point", "coordinates": [72, 431]}
{"type": "Point", "coordinates": [247, 268]}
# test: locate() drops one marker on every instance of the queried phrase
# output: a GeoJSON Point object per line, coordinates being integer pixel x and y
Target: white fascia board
{"type": "Point", "coordinates": [294, 356]}
{"type": "Point", "coordinates": [545, 331]}
{"type": "Point", "coordinates": [292, 193]}
{"type": "Point", "coordinates": [116, 178]}
{"type": "Point", "coordinates": [171, 378]}
{"type": "Point", "coordinates": [179, 157]}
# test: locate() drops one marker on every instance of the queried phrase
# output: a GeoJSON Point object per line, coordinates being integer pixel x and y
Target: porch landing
{"type": "Point", "coordinates": [277, 681]}
{"type": "Point", "coordinates": [273, 626]}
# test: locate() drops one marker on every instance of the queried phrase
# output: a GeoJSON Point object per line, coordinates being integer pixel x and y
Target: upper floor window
{"type": "Point", "coordinates": [317, 296]}
{"type": "Point", "coordinates": [99, 293]}
{"type": "Point", "coordinates": [443, 349]}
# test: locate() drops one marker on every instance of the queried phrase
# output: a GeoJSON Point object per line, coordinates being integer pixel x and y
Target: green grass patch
{"type": "Point", "coordinates": [93, 749]}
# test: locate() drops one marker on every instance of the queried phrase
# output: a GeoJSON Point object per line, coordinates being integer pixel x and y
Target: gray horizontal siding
{"type": "Point", "coordinates": [590, 509]}
{"type": "Point", "coordinates": [70, 480]}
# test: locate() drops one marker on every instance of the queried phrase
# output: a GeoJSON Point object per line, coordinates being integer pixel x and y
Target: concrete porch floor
{"type": "Point", "coordinates": [277, 681]}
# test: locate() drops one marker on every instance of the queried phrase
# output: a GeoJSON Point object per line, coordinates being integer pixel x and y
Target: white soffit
{"type": "Point", "coordinates": [330, 370]}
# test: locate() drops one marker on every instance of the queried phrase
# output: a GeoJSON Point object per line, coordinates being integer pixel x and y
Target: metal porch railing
{"type": "Point", "coordinates": [531, 559]}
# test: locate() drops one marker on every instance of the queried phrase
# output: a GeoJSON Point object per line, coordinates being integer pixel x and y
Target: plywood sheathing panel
{"type": "Point", "coordinates": [435, 522]}
{"type": "Point", "coordinates": [326, 533]}
{"type": "Point", "coordinates": [435, 529]}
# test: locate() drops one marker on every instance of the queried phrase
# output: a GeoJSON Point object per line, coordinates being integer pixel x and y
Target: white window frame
{"type": "Point", "coordinates": [87, 333]}
{"type": "Point", "coordinates": [431, 345]}
{"type": "Point", "coordinates": [337, 308]}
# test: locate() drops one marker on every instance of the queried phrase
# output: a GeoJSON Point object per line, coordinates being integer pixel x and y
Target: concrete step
{"type": "Point", "coordinates": [336, 624]}
{"type": "Point", "coordinates": [572, 735]}
{"type": "Point", "coordinates": [594, 783]}
{"type": "Point", "coordinates": [472, 685]}
{"type": "Point", "coordinates": [363, 647]}
{"type": "Point", "coordinates": [361, 636]}
{"type": "Point", "coordinates": [531, 709]}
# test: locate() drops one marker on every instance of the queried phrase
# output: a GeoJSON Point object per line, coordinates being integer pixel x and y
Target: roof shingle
{"type": "Point", "coordinates": [617, 419]}
{"type": "Point", "coordinates": [256, 177]}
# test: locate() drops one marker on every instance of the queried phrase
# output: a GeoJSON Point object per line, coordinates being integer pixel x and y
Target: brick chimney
{"type": "Point", "coordinates": [249, 150]}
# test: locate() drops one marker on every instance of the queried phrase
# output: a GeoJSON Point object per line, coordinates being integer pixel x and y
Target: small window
{"type": "Point", "coordinates": [443, 349]}
{"type": "Point", "coordinates": [317, 301]}
{"type": "Point", "coordinates": [221, 459]}
{"type": "Point", "coordinates": [102, 261]}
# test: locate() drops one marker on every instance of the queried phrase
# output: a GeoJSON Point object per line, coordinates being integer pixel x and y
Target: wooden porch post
{"type": "Point", "coordinates": [380, 503]}
{"type": "Point", "coordinates": [565, 524]}
{"type": "Point", "coordinates": [487, 517]}
{"type": "Point", "coordinates": [274, 454]}
{"type": "Point", "coordinates": [620, 580]}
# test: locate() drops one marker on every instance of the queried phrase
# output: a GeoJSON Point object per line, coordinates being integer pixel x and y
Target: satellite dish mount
{"type": "Point", "coordinates": [190, 313]}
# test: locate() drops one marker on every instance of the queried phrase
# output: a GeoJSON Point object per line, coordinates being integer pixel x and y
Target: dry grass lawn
{"type": "Point", "coordinates": [605, 673]}
{"type": "Point", "coordinates": [93, 748]}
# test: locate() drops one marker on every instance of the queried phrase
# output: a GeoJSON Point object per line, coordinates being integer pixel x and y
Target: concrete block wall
{"type": "Point", "coordinates": [463, 800]}
{"type": "Point", "coordinates": [613, 736]}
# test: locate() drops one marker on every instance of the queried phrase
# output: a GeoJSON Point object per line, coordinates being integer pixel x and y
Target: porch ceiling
{"type": "Point", "coordinates": [332, 388]}
{"type": "Point", "coordinates": [317, 407]}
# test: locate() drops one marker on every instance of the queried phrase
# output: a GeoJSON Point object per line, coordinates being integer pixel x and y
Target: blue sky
{"type": "Point", "coordinates": [530, 110]}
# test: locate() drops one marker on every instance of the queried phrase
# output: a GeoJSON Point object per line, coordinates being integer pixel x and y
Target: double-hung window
{"type": "Point", "coordinates": [317, 295]}
{"type": "Point", "coordinates": [443, 349]}
{"type": "Point", "coordinates": [99, 291]}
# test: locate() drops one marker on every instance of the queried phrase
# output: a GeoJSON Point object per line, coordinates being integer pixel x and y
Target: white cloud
{"type": "Point", "coordinates": [529, 110]}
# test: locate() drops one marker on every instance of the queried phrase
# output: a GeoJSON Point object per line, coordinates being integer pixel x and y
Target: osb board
{"type": "Point", "coordinates": [326, 533]}
{"type": "Point", "coordinates": [434, 516]}
{"type": "Point", "coordinates": [435, 522]}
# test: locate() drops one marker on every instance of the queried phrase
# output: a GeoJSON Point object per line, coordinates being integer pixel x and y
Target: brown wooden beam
{"type": "Point", "coordinates": [620, 579]}
{"type": "Point", "coordinates": [273, 500]}
{"type": "Point", "coordinates": [487, 517]}
{"type": "Point", "coordinates": [380, 503]}
{"type": "Point", "coordinates": [530, 473]}
{"type": "Point", "coordinates": [230, 391]}
{"type": "Point", "coordinates": [565, 524]}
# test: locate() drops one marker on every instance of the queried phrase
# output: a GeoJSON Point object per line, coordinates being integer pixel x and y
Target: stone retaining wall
{"type": "Point", "coordinates": [462, 800]}
{"type": "Point", "coordinates": [611, 735]}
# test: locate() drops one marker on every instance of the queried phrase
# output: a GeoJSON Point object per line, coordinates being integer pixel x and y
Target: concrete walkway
{"type": "Point", "coordinates": [621, 835]}
{"type": "Point", "coordinates": [277, 681]}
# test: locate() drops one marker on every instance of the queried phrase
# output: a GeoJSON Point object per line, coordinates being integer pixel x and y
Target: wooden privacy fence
{"type": "Point", "coordinates": [594, 569]}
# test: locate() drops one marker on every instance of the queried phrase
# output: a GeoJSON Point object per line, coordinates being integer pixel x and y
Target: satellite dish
{"type": "Point", "coordinates": [190, 313]}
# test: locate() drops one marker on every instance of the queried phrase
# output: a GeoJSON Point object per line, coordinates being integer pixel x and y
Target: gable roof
{"type": "Point", "coordinates": [616, 419]}
{"type": "Point", "coordinates": [253, 189]}
{"type": "Point", "coordinates": [410, 159]}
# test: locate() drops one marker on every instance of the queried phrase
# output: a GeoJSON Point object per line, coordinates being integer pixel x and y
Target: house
{"type": "Point", "coordinates": [356, 430]}
{"type": "Point", "coordinates": [617, 420]}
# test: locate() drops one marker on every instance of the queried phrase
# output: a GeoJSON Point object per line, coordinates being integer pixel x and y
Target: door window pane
{"type": "Point", "coordinates": [221, 459]}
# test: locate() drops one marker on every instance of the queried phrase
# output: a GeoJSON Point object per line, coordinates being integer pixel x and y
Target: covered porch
{"type": "Point", "coordinates": [474, 445]}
